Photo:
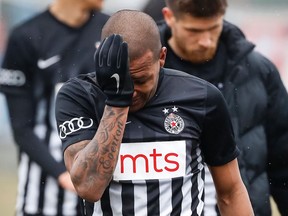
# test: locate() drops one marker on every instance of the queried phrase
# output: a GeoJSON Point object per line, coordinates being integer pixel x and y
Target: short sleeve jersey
{"type": "Point", "coordinates": [165, 144]}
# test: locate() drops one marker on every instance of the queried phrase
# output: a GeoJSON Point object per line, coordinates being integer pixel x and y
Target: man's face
{"type": "Point", "coordinates": [195, 39]}
{"type": "Point", "coordinates": [145, 74]}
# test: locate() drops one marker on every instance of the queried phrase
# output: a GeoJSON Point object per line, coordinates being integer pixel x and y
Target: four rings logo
{"type": "Point", "coordinates": [74, 125]}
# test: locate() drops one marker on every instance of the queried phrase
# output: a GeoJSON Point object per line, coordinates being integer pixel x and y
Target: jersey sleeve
{"type": "Point", "coordinates": [75, 115]}
{"type": "Point", "coordinates": [218, 144]}
{"type": "Point", "coordinates": [16, 71]}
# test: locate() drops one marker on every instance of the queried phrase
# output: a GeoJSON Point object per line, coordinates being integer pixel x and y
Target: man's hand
{"type": "Point", "coordinates": [112, 71]}
{"type": "Point", "coordinates": [65, 182]}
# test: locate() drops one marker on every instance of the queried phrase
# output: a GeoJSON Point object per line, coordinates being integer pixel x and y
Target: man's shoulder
{"type": "Point", "coordinates": [181, 74]}
{"type": "Point", "coordinates": [99, 16]}
{"type": "Point", "coordinates": [31, 23]}
{"type": "Point", "coordinates": [83, 81]}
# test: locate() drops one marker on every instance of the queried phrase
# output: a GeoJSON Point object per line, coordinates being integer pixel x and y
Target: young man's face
{"type": "Point", "coordinates": [145, 74]}
{"type": "Point", "coordinates": [195, 39]}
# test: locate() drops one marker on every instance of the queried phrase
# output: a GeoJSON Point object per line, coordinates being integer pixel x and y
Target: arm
{"type": "Point", "coordinates": [22, 114]}
{"type": "Point", "coordinates": [16, 83]}
{"type": "Point", "coordinates": [276, 126]}
{"type": "Point", "coordinates": [91, 163]}
{"type": "Point", "coordinates": [232, 195]}
{"type": "Point", "coordinates": [220, 153]}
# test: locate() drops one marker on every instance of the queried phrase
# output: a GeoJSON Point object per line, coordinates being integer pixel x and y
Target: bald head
{"type": "Point", "coordinates": [138, 29]}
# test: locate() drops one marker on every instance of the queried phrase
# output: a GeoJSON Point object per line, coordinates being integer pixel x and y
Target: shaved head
{"type": "Point", "coordinates": [138, 29]}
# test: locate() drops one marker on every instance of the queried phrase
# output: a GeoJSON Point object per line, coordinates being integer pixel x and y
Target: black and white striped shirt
{"type": "Point", "coordinates": [160, 169]}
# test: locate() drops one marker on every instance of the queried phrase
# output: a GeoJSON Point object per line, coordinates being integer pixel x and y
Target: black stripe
{"type": "Point", "coordinates": [153, 194]}
{"type": "Point", "coordinates": [26, 185]}
{"type": "Point", "coordinates": [127, 195]}
{"type": "Point", "coordinates": [203, 195]}
{"type": "Point", "coordinates": [177, 196]}
{"type": "Point", "coordinates": [42, 191]}
{"type": "Point", "coordinates": [105, 203]}
{"type": "Point", "coordinates": [60, 201]}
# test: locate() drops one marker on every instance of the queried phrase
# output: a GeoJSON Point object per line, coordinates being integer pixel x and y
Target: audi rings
{"type": "Point", "coordinates": [73, 125]}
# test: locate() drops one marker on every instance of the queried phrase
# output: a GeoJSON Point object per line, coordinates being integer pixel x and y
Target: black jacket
{"type": "Point", "coordinates": [258, 105]}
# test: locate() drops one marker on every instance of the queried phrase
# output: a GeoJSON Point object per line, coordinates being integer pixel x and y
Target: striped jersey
{"type": "Point", "coordinates": [41, 54]}
{"type": "Point", "coordinates": [160, 169]}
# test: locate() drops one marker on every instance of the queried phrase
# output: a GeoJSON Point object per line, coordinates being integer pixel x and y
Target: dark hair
{"type": "Point", "coordinates": [197, 8]}
{"type": "Point", "coordinates": [138, 29]}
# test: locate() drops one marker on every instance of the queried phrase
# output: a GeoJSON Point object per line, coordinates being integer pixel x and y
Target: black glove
{"type": "Point", "coordinates": [112, 71]}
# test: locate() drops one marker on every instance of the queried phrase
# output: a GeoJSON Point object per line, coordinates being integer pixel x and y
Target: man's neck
{"type": "Point", "coordinates": [71, 13]}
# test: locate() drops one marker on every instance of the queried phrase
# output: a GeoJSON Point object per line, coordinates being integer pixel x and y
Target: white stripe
{"type": "Point", "coordinates": [22, 179]}
{"type": "Point", "coordinates": [165, 189]}
{"type": "Point", "coordinates": [187, 198]}
{"type": "Point", "coordinates": [50, 197]}
{"type": "Point", "coordinates": [55, 146]}
{"type": "Point", "coordinates": [210, 194]}
{"type": "Point", "coordinates": [200, 182]}
{"type": "Point", "coordinates": [32, 197]}
{"type": "Point", "coordinates": [97, 209]}
{"type": "Point", "coordinates": [115, 198]}
{"type": "Point", "coordinates": [70, 203]}
{"type": "Point", "coordinates": [140, 197]}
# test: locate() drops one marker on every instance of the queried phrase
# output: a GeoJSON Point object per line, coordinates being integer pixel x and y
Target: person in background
{"type": "Point", "coordinates": [153, 8]}
{"type": "Point", "coordinates": [200, 42]}
{"type": "Point", "coordinates": [42, 53]}
{"type": "Point", "coordinates": [135, 134]}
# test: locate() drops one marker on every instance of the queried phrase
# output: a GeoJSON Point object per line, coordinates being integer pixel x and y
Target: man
{"type": "Point", "coordinates": [201, 43]}
{"type": "Point", "coordinates": [42, 53]}
{"type": "Point", "coordinates": [135, 135]}
{"type": "Point", "coordinates": [153, 8]}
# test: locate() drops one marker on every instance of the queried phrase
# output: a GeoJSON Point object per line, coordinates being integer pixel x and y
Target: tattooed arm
{"type": "Point", "coordinates": [91, 163]}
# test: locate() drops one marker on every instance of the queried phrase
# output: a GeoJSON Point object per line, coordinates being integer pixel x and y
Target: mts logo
{"type": "Point", "coordinates": [151, 160]}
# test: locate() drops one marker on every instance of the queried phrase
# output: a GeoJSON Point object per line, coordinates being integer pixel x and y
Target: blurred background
{"type": "Point", "coordinates": [264, 22]}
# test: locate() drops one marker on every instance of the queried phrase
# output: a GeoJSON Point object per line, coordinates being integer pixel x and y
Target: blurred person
{"type": "Point", "coordinates": [200, 42]}
{"type": "Point", "coordinates": [153, 8]}
{"type": "Point", "coordinates": [159, 124]}
{"type": "Point", "coordinates": [42, 53]}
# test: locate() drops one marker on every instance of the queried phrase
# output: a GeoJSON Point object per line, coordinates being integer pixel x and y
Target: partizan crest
{"type": "Point", "coordinates": [173, 123]}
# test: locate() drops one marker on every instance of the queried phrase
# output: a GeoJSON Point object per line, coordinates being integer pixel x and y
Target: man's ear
{"type": "Point", "coordinates": [163, 56]}
{"type": "Point", "coordinates": [168, 15]}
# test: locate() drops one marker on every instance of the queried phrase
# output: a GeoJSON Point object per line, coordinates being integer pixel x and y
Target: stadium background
{"type": "Point", "coordinates": [263, 22]}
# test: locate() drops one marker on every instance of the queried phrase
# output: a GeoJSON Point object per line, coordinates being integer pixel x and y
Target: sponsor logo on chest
{"type": "Point", "coordinates": [151, 160]}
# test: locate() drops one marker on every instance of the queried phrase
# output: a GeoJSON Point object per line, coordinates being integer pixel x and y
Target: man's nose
{"type": "Point", "coordinates": [205, 39]}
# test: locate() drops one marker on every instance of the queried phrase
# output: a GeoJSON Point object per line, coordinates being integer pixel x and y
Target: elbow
{"type": "Point", "coordinates": [89, 194]}
{"type": "Point", "coordinates": [90, 188]}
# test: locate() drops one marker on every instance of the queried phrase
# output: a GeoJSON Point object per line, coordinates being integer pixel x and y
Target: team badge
{"type": "Point", "coordinates": [173, 123]}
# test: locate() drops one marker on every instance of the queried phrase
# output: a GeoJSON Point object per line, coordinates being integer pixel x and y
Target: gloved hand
{"type": "Point", "coordinates": [112, 71]}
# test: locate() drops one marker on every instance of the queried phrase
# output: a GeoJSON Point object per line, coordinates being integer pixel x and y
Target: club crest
{"type": "Point", "coordinates": [173, 123]}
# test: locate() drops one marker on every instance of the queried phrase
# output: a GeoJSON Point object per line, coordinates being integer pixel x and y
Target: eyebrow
{"type": "Point", "coordinates": [202, 30]}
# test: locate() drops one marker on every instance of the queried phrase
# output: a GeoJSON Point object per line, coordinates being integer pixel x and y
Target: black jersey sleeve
{"type": "Point", "coordinates": [16, 71]}
{"type": "Point", "coordinates": [16, 83]}
{"type": "Point", "coordinates": [74, 114]}
{"type": "Point", "coordinates": [218, 144]}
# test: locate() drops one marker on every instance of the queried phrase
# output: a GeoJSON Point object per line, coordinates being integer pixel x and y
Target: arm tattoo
{"type": "Point", "coordinates": [98, 159]}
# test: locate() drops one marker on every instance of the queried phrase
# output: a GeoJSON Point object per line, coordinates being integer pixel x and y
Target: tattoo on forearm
{"type": "Point", "coordinates": [102, 153]}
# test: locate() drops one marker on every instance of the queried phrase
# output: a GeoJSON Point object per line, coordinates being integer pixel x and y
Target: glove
{"type": "Point", "coordinates": [112, 71]}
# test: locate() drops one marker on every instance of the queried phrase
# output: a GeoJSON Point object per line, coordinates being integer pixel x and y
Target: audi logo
{"type": "Point", "coordinates": [12, 77]}
{"type": "Point", "coordinates": [73, 125]}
